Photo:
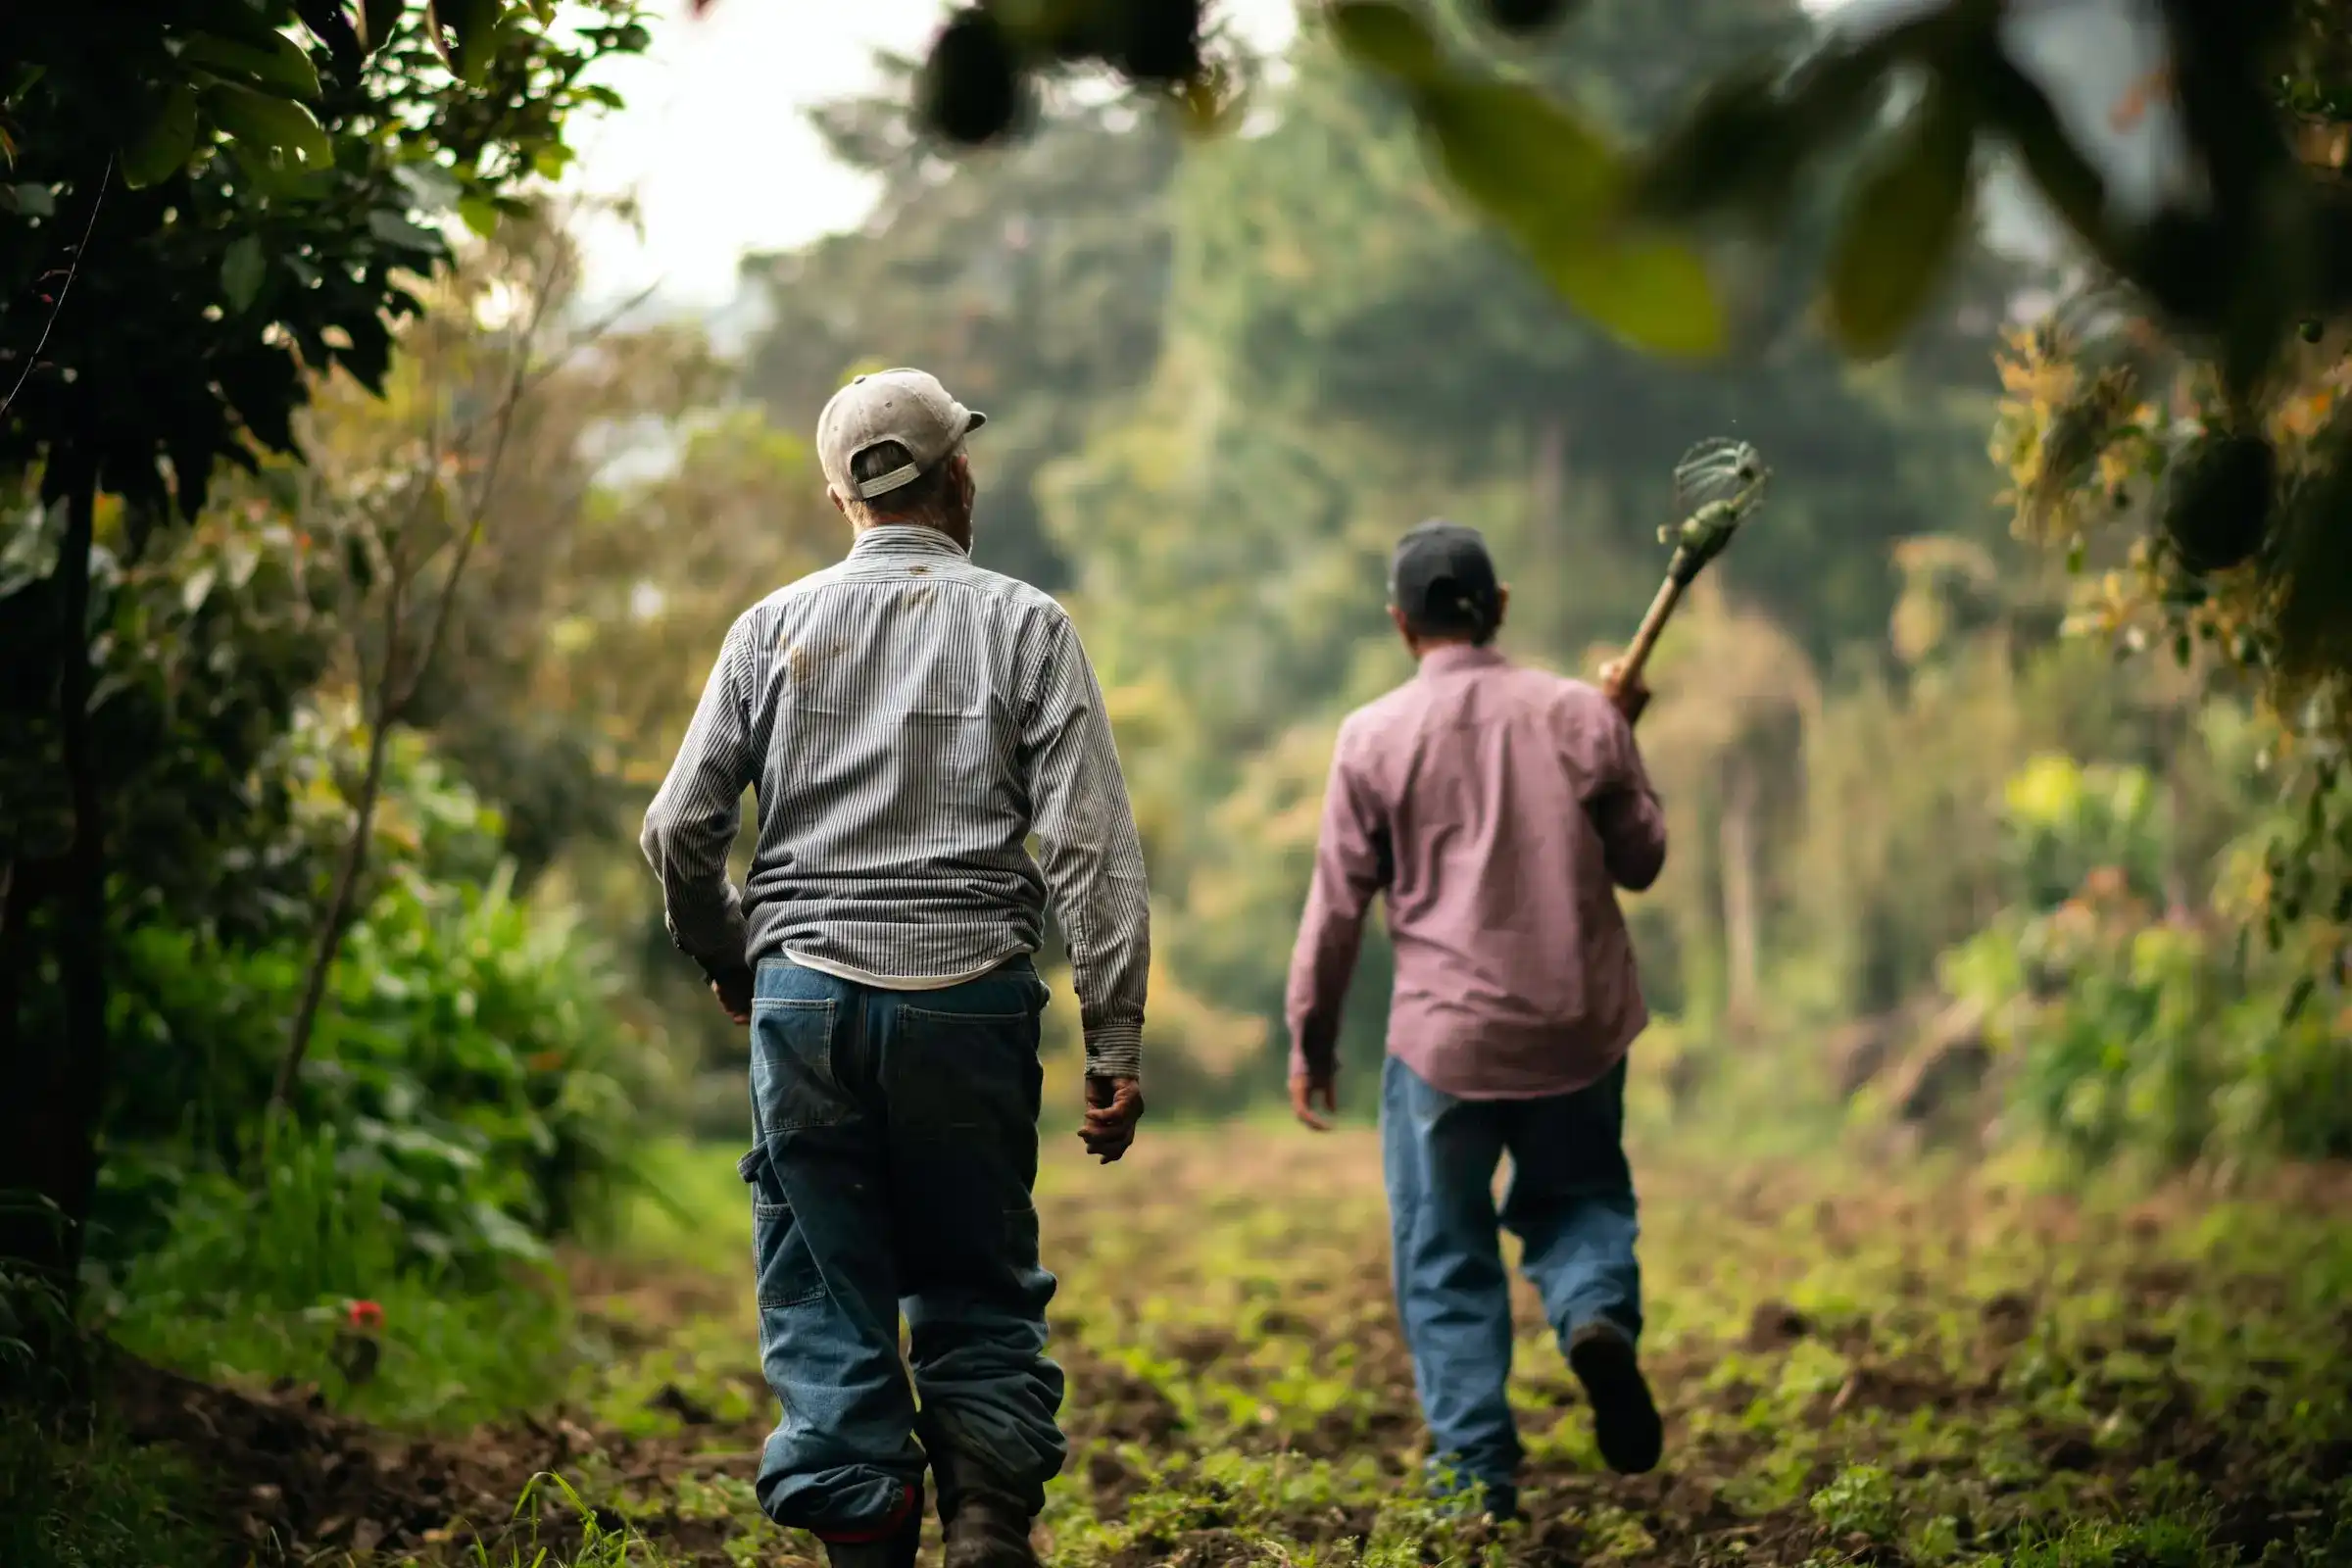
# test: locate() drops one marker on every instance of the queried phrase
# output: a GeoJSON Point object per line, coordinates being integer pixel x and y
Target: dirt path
{"type": "Point", "coordinates": [1874, 1372]}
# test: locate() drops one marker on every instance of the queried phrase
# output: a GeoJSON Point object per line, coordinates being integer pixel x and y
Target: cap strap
{"type": "Point", "coordinates": [882, 483]}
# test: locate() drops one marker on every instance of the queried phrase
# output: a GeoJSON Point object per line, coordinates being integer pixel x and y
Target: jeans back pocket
{"type": "Point", "coordinates": [794, 1083]}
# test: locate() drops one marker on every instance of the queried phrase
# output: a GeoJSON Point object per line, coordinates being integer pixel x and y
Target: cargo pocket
{"type": "Point", "coordinates": [1020, 1244]}
{"type": "Point", "coordinates": [787, 1271]}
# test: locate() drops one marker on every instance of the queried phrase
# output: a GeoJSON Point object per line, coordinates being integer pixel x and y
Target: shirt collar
{"type": "Point", "coordinates": [1451, 656]}
{"type": "Point", "coordinates": [903, 539]}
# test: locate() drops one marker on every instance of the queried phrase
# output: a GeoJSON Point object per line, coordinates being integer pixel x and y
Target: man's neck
{"type": "Point", "coordinates": [960, 538]}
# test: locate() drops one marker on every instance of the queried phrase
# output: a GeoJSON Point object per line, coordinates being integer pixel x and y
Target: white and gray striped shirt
{"type": "Point", "coordinates": [908, 720]}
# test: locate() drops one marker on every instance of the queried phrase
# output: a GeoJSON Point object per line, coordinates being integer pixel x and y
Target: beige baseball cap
{"type": "Point", "coordinates": [906, 405]}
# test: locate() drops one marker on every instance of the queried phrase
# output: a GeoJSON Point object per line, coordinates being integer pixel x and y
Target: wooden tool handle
{"type": "Point", "coordinates": [1637, 653]}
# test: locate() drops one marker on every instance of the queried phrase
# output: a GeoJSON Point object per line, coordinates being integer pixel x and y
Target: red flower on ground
{"type": "Point", "coordinates": [364, 1315]}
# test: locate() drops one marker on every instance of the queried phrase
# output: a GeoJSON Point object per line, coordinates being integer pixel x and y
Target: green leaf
{"type": "Point", "coordinates": [242, 272]}
{"type": "Point", "coordinates": [277, 125]}
{"type": "Point", "coordinates": [1736, 145]}
{"type": "Point", "coordinates": [27, 201]}
{"type": "Point", "coordinates": [429, 186]}
{"type": "Point", "coordinates": [1904, 214]}
{"type": "Point", "coordinates": [377, 20]}
{"type": "Point", "coordinates": [465, 34]}
{"type": "Point", "coordinates": [242, 20]}
{"type": "Point", "coordinates": [283, 67]}
{"type": "Point", "coordinates": [2016, 106]}
{"type": "Point", "coordinates": [1556, 184]}
{"type": "Point", "coordinates": [163, 146]}
{"type": "Point", "coordinates": [479, 214]}
{"type": "Point", "coordinates": [1386, 39]}
{"type": "Point", "coordinates": [2298, 998]}
{"type": "Point", "coordinates": [396, 230]}
{"type": "Point", "coordinates": [21, 81]}
{"type": "Point", "coordinates": [197, 589]}
{"type": "Point", "coordinates": [1649, 290]}
{"type": "Point", "coordinates": [1526, 160]}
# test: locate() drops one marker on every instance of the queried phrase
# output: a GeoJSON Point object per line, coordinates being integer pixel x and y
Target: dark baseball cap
{"type": "Point", "coordinates": [1444, 580]}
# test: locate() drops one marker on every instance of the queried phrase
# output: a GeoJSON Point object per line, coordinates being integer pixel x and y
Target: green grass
{"type": "Point", "coordinates": [257, 1286]}
{"type": "Point", "coordinates": [447, 1360]}
{"type": "Point", "coordinates": [691, 1209]}
{"type": "Point", "coordinates": [94, 1499]}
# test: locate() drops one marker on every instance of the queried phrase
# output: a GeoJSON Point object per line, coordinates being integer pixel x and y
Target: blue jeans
{"type": "Point", "coordinates": [893, 1171]}
{"type": "Point", "coordinates": [1570, 1203]}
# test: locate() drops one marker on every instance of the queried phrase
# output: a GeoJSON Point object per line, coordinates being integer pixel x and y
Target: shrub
{"type": "Point", "coordinates": [2133, 1033]}
{"type": "Point", "coordinates": [465, 1060]}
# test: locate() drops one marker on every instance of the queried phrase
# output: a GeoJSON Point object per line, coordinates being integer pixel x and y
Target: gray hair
{"type": "Point", "coordinates": [928, 498]}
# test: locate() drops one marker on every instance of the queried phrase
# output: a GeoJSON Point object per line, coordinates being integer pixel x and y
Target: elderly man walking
{"type": "Point", "coordinates": [909, 720]}
{"type": "Point", "coordinates": [1496, 808]}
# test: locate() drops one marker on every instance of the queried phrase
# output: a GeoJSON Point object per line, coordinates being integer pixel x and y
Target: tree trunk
{"type": "Point", "coordinates": [1546, 490]}
{"type": "Point", "coordinates": [2176, 906]}
{"type": "Point", "coordinates": [339, 914]}
{"type": "Point", "coordinates": [1546, 499]}
{"type": "Point", "coordinates": [18, 1185]}
{"type": "Point", "coordinates": [49, 1118]}
{"type": "Point", "coordinates": [1735, 839]}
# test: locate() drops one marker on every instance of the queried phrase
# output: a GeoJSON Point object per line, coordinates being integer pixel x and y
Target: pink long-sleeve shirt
{"type": "Point", "coordinates": [1499, 808]}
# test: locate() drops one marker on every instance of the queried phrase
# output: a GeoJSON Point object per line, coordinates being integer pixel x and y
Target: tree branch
{"type": "Point", "coordinates": [398, 682]}
{"type": "Point", "coordinates": [73, 271]}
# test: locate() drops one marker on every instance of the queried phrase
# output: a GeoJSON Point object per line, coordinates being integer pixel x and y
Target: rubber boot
{"type": "Point", "coordinates": [893, 1545]}
{"type": "Point", "coordinates": [1625, 1418]}
{"type": "Point", "coordinates": [985, 1523]}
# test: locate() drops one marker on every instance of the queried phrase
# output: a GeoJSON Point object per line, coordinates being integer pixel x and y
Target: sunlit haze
{"type": "Point", "coordinates": [715, 142]}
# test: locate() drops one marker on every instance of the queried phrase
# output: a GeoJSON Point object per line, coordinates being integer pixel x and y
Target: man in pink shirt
{"type": "Point", "coordinates": [1497, 809]}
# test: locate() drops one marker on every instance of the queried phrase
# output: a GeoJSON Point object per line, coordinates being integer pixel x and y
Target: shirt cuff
{"type": "Point", "coordinates": [1115, 1051]}
{"type": "Point", "coordinates": [723, 973]}
{"type": "Point", "coordinates": [1314, 1064]}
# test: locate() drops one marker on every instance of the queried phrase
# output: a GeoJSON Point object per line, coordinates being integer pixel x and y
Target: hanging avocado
{"type": "Point", "coordinates": [2216, 501]}
{"type": "Point", "coordinates": [1525, 16]}
{"type": "Point", "coordinates": [970, 88]}
{"type": "Point", "coordinates": [1160, 40]}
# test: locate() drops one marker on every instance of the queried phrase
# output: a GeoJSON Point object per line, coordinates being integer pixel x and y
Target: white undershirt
{"type": "Point", "coordinates": [890, 982]}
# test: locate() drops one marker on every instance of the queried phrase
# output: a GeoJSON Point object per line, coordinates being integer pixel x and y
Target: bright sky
{"type": "Point", "coordinates": [715, 144]}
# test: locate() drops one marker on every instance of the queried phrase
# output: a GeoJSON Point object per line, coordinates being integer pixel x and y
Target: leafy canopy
{"type": "Point", "coordinates": [205, 203]}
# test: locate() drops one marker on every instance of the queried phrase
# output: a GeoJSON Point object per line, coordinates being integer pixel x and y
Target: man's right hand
{"type": "Point", "coordinates": [1307, 1090]}
{"type": "Point", "coordinates": [734, 994]}
{"type": "Point", "coordinates": [1625, 693]}
{"type": "Point", "coordinates": [1113, 1106]}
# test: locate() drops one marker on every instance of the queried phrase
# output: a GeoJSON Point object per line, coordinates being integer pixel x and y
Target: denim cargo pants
{"type": "Point", "coordinates": [893, 1170]}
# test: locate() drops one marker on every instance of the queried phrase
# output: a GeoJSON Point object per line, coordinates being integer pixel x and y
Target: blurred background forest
{"type": "Point", "coordinates": [1964, 856]}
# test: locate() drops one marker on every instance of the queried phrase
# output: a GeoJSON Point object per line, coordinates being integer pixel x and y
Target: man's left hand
{"type": "Point", "coordinates": [734, 994]}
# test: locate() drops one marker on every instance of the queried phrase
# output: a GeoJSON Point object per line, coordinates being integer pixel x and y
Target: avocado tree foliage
{"type": "Point", "coordinates": [2197, 381]}
{"type": "Point", "coordinates": [204, 205]}
{"type": "Point", "coordinates": [1612, 224]}
{"type": "Point", "coordinates": [2206, 508]}
{"type": "Point", "coordinates": [1624, 233]}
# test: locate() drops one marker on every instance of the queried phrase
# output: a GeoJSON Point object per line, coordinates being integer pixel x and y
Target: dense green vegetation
{"type": "Point", "coordinates": [356, 583]}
